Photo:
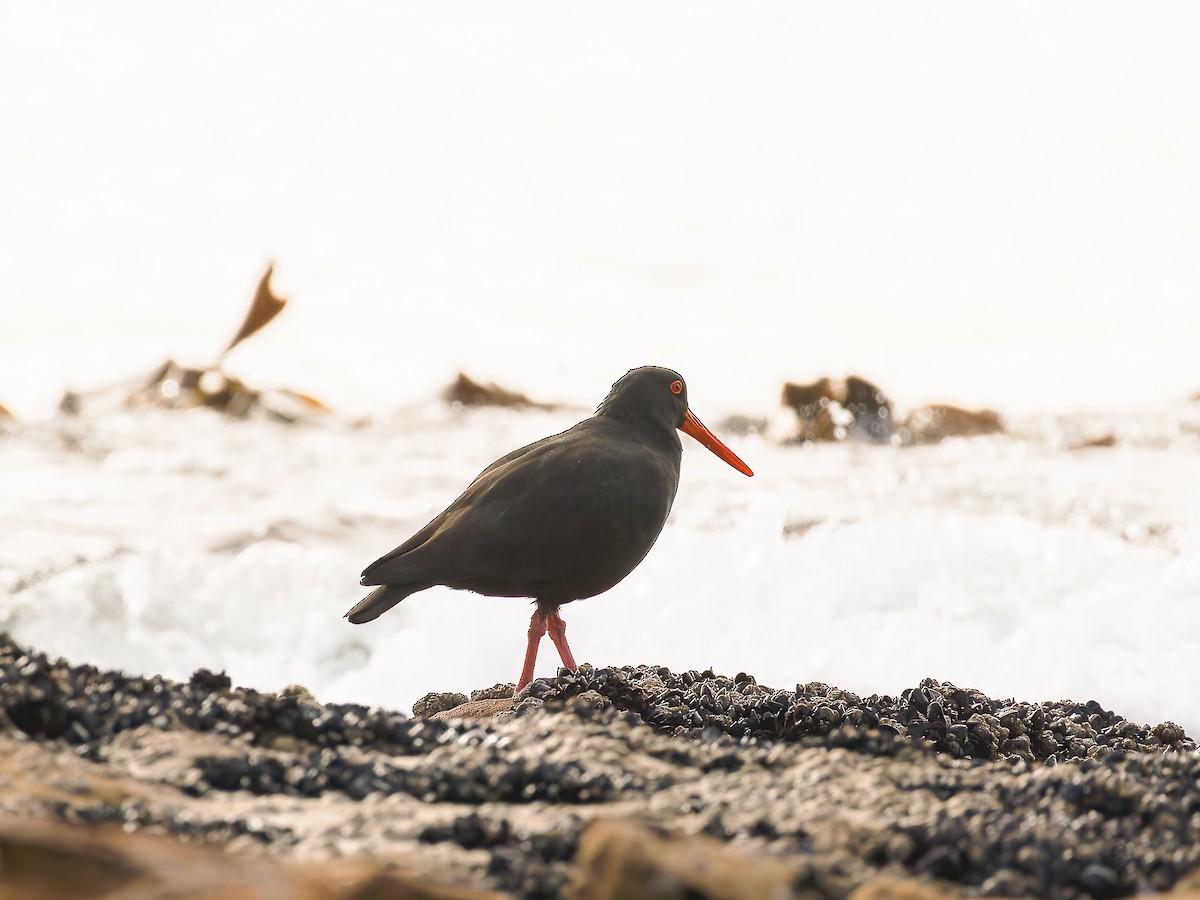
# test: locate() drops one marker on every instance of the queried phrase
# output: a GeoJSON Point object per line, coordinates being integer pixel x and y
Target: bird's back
{"type": "Point", "coordinates": [561, 519]}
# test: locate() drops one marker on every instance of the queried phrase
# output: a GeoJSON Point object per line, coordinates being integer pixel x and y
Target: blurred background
{"type": "Point", "coordinates": [987, 204]}
{"type": "Point", "coordinates": [994, 203]}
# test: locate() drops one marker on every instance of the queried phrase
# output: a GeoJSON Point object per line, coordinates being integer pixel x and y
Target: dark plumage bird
{"type": "Point", "coordinates": [564, 518]}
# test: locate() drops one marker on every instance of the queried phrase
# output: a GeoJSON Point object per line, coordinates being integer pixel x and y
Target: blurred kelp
{"type": "Point", "coordinates": [465, 391]}
{"type": "Point", "coordinates": [263, 309]}
{"type": "Point", "coordinates": [173, 385]}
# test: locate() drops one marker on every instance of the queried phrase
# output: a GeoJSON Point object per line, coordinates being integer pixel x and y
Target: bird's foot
{"type": "Point", "coordinates": [537, 628]}
{"type": "Point", "coordinates": [558, 633]}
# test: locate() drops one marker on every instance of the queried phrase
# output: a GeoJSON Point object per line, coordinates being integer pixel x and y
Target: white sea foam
{"type": "Point", "coordinates": [1013, 565]}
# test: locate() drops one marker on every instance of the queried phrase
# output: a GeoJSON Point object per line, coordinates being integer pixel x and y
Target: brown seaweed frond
{"type": "Point", "coordinates": [265, 307]}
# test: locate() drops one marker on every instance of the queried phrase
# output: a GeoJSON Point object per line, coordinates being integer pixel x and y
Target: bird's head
{"type": "Point", "coordinates": [657, 397]}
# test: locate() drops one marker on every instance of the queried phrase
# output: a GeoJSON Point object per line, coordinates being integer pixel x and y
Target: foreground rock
{"type": "Point", "coordinates": [705, 786]}
{"type": "Point", "coordinates": [43, 858]}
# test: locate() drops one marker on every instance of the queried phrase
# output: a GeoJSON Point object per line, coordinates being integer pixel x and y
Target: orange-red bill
{"type": "Point", "coordinates": [693, 427]}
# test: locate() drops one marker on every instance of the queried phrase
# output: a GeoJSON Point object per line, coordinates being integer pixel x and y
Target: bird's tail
{"type": "Point", "coordinates": [378, 602]}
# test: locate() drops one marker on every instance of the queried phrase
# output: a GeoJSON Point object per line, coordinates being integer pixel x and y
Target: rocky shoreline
{"type": "Point", "coordinates": [589, 785]}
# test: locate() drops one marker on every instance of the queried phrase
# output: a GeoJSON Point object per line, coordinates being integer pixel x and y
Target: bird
{"type": "Point", "coordinates": [562, 519]}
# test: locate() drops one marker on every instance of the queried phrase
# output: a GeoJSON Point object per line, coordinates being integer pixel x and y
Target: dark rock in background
{"type": "Point", "coordinates": [837, 410]}
{"type": "Point", "coordinates": [857, 410]}
{"type": "Point", "coordinates": [871, 409]}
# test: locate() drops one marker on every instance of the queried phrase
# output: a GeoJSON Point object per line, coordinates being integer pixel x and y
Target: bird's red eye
{"type": "Point", "coordinates": [677, 387]}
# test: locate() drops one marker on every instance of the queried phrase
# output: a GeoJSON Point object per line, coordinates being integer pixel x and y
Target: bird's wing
{"type": "Point", "coordinates": [546, 512]}
{"type": "Point", "coordinates": [382, 572]}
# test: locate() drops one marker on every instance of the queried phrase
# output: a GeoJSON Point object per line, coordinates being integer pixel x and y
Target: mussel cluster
{"type": "Point", "coordinates": [1119, 813]}
{"type": "Point", "coordinates": [496, 778]}
{"type": "Point", "coordinates": [529, 864]}
{"type": "Point", "coordinates": [950, 720]}
{"type": "Point", "coordinates": [1097, 829]}
{"type": "Point", "coordinates": [52, 699]}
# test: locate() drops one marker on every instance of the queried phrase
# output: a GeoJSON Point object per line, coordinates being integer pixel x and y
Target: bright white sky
{"type": "Point", "coordinates": [992, 203]}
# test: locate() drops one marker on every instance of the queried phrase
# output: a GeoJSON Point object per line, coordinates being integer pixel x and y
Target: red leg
{"type": "Point", "coordinates": [537, 627]}
{"type": "Point", "coordinates": [558, 633]}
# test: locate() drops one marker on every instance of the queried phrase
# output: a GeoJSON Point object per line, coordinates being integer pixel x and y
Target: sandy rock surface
{"type": "Point", "coordinates": [594, 785]}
